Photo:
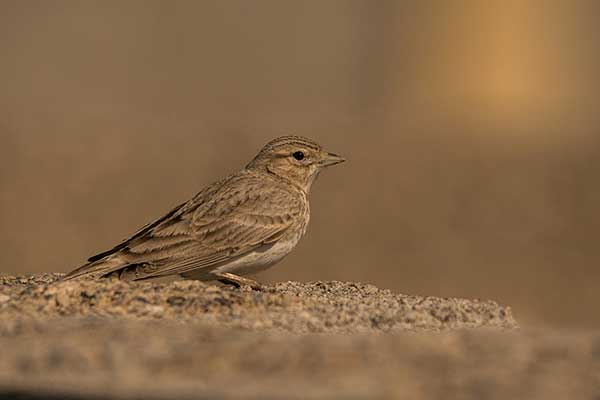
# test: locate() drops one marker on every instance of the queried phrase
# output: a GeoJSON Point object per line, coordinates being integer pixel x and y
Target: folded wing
{"type": "Point", "coordinates": [225, 221]}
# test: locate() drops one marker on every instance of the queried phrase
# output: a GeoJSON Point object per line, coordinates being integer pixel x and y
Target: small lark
{"type": "Point", "coordinates": [239, 225]}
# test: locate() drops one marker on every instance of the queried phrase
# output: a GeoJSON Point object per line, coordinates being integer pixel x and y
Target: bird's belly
{"type": "Point", "coordinates": [258, 260]}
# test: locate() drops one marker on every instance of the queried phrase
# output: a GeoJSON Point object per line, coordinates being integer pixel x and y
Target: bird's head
{"type": "Point", "coordinates": [295, 158]}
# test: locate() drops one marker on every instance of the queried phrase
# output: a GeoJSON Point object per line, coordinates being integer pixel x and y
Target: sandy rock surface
{"type": "Point", "coordinates": [185, 339]}
{"type": "Point", "coordinates": [315, 307]}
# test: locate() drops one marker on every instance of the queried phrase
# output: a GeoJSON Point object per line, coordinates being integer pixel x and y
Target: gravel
{"type": "Point", "coordinates": [294, 307]}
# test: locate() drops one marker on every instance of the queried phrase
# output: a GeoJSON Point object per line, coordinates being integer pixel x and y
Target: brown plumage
{"type": "Point", "coordinates": [238, 225]}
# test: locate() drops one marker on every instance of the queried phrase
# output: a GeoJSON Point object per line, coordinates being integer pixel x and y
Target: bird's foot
{"type": "Point", "coordinates": [244, 284]}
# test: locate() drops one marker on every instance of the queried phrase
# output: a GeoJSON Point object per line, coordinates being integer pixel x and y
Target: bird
{"type": "Point", "coordinates": [239, 225]}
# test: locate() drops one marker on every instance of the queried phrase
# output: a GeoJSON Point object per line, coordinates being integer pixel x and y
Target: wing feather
{"type": "Point", "coordinates": [225, 221]}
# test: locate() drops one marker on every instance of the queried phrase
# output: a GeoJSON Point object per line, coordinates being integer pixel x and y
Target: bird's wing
{"type": "Point", "coordinates": [239, 218]}
{"type": "Point", "coordinates": [170, 222]}
{"type": "Point", "coordinates": [225, 221]}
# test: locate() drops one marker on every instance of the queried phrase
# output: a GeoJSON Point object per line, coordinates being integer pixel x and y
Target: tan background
{"type": "Point", "coordinates": [471, 129]}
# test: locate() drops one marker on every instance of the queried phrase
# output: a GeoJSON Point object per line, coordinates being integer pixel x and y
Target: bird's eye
{"type": "Point", "coordinates": [298, 155]}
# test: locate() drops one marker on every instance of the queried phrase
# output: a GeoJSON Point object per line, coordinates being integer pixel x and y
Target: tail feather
{"type": "Point", "coordinates": [97, 268]}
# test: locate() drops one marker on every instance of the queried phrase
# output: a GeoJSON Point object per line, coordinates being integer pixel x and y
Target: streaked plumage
{"type": "Point", "coordinates": [236, 226]}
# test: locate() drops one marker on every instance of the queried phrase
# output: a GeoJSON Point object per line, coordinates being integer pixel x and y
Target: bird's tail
{"type": "Point", "coordinates": [97, 269]}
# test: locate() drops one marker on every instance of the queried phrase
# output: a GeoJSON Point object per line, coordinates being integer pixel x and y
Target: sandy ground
{"type": "Point", "coordinates": [188, 339]}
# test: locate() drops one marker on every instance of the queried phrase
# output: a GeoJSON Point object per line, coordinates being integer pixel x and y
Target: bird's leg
{"type": "Point", "coordinates": [237, 281]}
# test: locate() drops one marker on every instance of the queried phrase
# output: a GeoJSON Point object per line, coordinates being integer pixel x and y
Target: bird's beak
{"type": "Point", "coordinates": [331, 159]}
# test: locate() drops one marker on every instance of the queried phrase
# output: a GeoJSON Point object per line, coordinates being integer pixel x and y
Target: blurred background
{"type": "Point", "coordinates": [471, 130]}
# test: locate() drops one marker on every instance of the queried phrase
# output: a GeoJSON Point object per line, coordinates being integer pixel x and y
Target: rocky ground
{"type": "Point", "coordinates": [187, 339]}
